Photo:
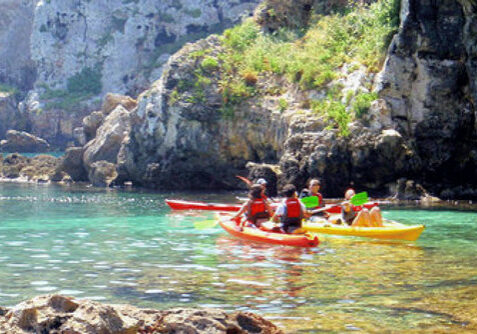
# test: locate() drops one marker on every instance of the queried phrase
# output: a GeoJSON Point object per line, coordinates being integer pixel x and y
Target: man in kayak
{"type": "Point", "coordinates": [256, 209]}
{"type": "Point", "coordinates": [291, 211]}
{"type": "Point", "coordinates": [313, 190]}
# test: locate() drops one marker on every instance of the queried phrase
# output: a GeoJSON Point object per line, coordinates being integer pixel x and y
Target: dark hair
{"type": "Point", "coordinates": [255, 191]}
{"type": "Point", "coordinates": [289, 190]}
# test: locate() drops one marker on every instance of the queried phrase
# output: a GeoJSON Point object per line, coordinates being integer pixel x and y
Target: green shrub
{"type": "Point", "coordinates": [362, 102]}
{"type": "Point", "coordinates": [209, 64]}
{"type": "Point", "coordinates": [282, 104]}
{"type": "Point", "coordinates": [88, 81]}
{"type": "Point", "coordinates": [241, 36]}
{"type": "Point", "coordinates": [4, 88]}
{"type": "Point", "coordinates": [334, 111]}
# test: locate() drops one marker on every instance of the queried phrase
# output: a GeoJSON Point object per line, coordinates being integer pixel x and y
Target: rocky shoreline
{"type": "Point", "coordinates": [56, 314]}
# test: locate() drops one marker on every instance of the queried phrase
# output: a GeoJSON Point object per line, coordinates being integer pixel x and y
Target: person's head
{"type": "Point", "coordinates": [262, 182]}
{"type": "Point", "coordinates": [255, 191]}
{"type": "Point", "coordinates": [289, 190]}
{"type": "Point", "coordinates": [314, 185]}
{"type": "Point", "coordinates": [349, 193]}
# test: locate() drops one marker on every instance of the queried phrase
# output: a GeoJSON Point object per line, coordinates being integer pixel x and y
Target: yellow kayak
{"type": "Point", "coordinates": [390, 230]}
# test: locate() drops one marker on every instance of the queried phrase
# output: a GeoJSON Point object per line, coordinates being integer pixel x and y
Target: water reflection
{"type": "Point", "coordinates": [129, 248]}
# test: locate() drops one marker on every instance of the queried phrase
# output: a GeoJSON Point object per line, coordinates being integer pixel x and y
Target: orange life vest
{"type": "Point", "coordinates": [257, 206]}
{"type": "Point", "coordinates": [293, 208]}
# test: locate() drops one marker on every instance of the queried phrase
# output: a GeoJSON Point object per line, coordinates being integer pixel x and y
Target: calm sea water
{"type": "Point", "coordinates": [128, 247]}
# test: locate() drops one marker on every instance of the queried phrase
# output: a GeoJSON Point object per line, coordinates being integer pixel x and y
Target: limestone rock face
{"type": "Point", "coordinates": [64, 55]}
{"type": "Point", "coordinates": [125, 42]}
{"type": "Point", "coordinates": [109, 137]}
{"type": "Point", "coordinates": [102, 173]}
{"type": "Point", "coordinates": [20, 141]}
{"type": "Point", "coordinates": [59, 314]}
{"type": "Point", "coordinates": [429, 82]}
{"type": "Point", "coordinates": [72, 164]}
{"type": "Point", "coordinates": [16, 65]}
{"type": "Point", "coordinates": [10, 118]}
{"type": "Point", "coordinates": [188, 142]}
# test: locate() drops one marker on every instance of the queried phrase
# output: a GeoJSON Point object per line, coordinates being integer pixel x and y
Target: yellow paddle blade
{"type": "Point", "coordinates": [205, 224]}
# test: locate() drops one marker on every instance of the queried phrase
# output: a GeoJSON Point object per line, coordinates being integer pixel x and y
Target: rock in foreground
{"type": "Point", "coordinates": [59, 314]}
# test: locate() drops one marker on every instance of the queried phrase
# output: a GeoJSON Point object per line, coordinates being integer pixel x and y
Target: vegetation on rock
{"type": "Point", "coordinates": [311, 57]}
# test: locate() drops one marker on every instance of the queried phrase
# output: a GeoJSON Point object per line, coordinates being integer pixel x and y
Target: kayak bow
{"type": "Point", "coordinates": [255, 234]}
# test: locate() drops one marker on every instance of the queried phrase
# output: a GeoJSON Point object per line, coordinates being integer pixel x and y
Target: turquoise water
{"type": "Point", "coordinates": [32, 155]}
{"type": "Point", "coordinates": [128, 247]}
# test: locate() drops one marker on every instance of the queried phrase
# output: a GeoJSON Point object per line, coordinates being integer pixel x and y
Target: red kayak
{"type": "Point", "coordinates": [276, 238]}
{"type": "Point", "coordinates": [188, 205]}
{"type": "Point", "coordinates": [337, 208]}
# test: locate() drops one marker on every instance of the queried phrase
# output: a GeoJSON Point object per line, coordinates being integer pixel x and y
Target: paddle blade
{"type": "Point", "coordinates": [244, 179]}
{"type": "Point", "coordinates": [310, 201]}
{"type": "Point", "coordinates": [205, 224]}
{"type": "Point", "coordinates": [359, 198]}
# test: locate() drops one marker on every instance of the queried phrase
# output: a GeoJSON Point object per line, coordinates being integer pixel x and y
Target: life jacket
{"type": "Point", "coordinates": [293, 213]}
{"type": "Point", "coordinates": [257, 209]}
{"type": "Point", "coordinates": [293, 208]}
{"type": "Point", "coordinates": [320, 200]}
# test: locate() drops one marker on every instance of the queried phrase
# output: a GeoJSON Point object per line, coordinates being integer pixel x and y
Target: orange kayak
{"type": "Point", "coordinates": [276, 238]}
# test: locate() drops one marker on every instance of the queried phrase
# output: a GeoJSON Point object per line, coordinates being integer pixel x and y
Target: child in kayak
{"type": "Point", "coordinates": [256, 209]}
{"type": "Point", "coordinates": [291, 211]}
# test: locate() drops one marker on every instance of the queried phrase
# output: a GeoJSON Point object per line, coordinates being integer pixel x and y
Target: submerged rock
{"type": "Point", "coordinates": [60, 314]}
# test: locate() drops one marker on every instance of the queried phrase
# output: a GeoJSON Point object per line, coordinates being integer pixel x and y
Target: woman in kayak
{"type": "Point", "coordinates": [256, 209]}
{"type": "Point", "coordinates": [291, 211]}
{"type": "Point", "coordinates": [364, 217]}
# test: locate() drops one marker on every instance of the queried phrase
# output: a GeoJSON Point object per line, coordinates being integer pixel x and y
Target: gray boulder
{"type": "Point", "coordinates": [91, 123]}
{"type": "Point", "coordinates": [60, 314]}
{"type": "Point", "coordinates": [109, 138]}
{"type": "Point", "coordinates": [20, 141]}
{"type": "Point", "coordinates": [102, 173]}
{"type": "Point", "coordinates": [72, 164]}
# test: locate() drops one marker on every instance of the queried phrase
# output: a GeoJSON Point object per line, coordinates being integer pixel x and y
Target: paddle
{"type": "Point", "coordinates": [310, 201]}
{"type": "Point", "coordinates": [244, 179]}
{"type": "Point", "coordinates": [206, 224]}
{"type": "Point", "coordinates": [359, 198]}
{"type": "Point", "coordinates": [356, 200]}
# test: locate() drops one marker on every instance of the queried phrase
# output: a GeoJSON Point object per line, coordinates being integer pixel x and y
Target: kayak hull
{"type": "Point", "coordinates": [257, 235]}
{"type": "Point", "coordinates": [188, 205]}
{"type": "Point", "coordinates": [390, 230]}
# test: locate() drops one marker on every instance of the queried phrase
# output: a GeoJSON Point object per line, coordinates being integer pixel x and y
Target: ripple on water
{"type": "Point", "coordinates": [16, 243]}
{"type": "Point", "coordinates": [40, 256]}
{"type": "Point", "coordinates": [70, 292]}
{"type": "Point", "coordinates": [46, 288]}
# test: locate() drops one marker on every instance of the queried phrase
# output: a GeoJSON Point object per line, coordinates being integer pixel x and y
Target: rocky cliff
{"type": "Point", "coordinates": [195, 128]}
{"type": "Point", "coordinates": [375, 93]}
{"type": "Point", "coordinates": [65, 55]}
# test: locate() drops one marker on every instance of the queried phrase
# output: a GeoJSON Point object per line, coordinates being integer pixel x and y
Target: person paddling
{"type": "Point", "coordinates": [313, 190]}
{"type": "Point", "coordinates": [291, 211]}
{"type": "Point", "coordinates": [256, 209]}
